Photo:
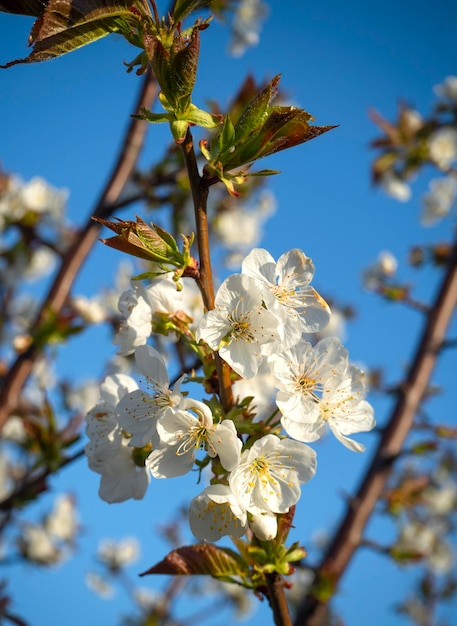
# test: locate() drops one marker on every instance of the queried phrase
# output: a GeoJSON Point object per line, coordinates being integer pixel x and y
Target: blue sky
{"type": "Point", "coordinates": [63, 119]}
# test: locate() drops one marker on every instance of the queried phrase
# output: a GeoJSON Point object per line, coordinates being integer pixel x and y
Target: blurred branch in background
{"type": "Point", "coordinates": [14, 380]}
{"type": "Point", "coordinates": [349, 534]}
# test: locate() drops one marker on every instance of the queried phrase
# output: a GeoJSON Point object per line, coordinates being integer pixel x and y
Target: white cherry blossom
{"type": "Point", "coordinates": [299, 305]}
{"type": "Point", "coordinates": [37, 545]}
{"type": "Point", "coordinates": [376, 274]}
{"type": "Point", "coordinates": [427, 540]}
{"type": "Point", "coordinates": [107, 452]}
{"type": "Point", "coordinates": [447, 89]}
{"type": "Point", "coordinates": [246, 25]}
{"type": "Point", "coordinates": [239, 228]}
{"type": "Point", "coordinates": [183, 432]}
{"type": "Point", "coordinates": [269, 475]}
{"type": "Point", "coordinates": [303, 372]}
{"type": "Point", "coordinates": [395, 187]}
{"type": "Point", "coordinates": [63, 523]}
{"type": "Point", "coordinates": [239, 326]}
{"type": "Point", "coordinates": [139, 410]}
{"type": "Point", "coordinates": [102, 427]}
{"type": "Point", "coordinates": [438, 201]}
{"type": "Point", "coordinates": [143, 306]}
{"type": "Point", "coordinates": [341, 406]}
{"type": "Point", "coordinates": [39, 196]}
{"type": "Point", "coordinates": [215, 513]}
{"type": "Point", "coordinates": [122, 478]}
{"type": "Point", "coordinates": [118, 554]}
{"type": "Point", "coordinates": [442, 146]}
{"type": "Point", "coordinates": [135, 329]}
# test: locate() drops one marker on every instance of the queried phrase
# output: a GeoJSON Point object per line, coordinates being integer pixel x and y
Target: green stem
{"type": "Point", "coordinates": [200, 190]}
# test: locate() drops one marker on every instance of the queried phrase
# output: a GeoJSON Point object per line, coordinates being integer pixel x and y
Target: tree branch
{"type": "Point", "coordinates": [348, 536]}
{"type": "Point", "coordinates": [200, 189]}
{"type": "Point", "coordinates": [32, 486]}
{"type": "Point", "coordinates": [74, 258]}
{"type": "Point", "coordinates": [277, 599]}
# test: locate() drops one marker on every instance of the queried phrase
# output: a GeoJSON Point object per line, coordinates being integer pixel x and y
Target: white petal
{"type": "Point", "coordinates": [174, 426]}
{"type": "Point", "coordinates": [209, 521]}
{"type": "Point", "coordinates": [165, 462]}
{"type": "Point", "coordinates": [260, 265]}
{"type": "Point", "coordinates": [295, 263]}
{"type": "Point", "coordinates": [151, 364]}
{"type": "Point", "coordinates": [137, 414]}
{"type": "Point", "coordinates": [348, 443]}
{"type": "Point", "coordinates": [123, 479]}
{"type": "Point", "coordinates": [227, 444]}
{"type": "Point", "coordinates": [116, 387]}
{"type": "Point", "coordinates": [264, 526]}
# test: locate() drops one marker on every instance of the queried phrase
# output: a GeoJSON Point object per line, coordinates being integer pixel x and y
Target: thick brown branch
{"type": "Point", "coordinates": [348, 536]}
{"type": "Point", "coordinates": [77, 253]}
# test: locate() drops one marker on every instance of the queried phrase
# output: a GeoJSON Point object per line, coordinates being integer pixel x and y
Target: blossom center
{"type": "Point", "coordinates": [196, 437]}
{"type": "Point", "coordinates": [162, 399]}
{"type": "Point", "coordinates": [288, 297]}
{"type": "Point", "coordinates": [260, 469]}
{"type": "Point", "coordinates": [241, 328]}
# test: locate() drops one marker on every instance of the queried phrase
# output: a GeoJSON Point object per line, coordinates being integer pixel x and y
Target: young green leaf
{"type": "Point", "coordinates": [183, 8]}
{"type": "Point", "coordinates": [66, 25]}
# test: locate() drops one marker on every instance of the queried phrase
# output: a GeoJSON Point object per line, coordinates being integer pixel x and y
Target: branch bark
{"type": "Point", "coordinates": [200, 190]}
{"type": "Point", "coordinates": [348, 535]}
{"type": "Point", "coordinates": [84, 239]}
{"type": "Point", "coordinates": [277, 600]}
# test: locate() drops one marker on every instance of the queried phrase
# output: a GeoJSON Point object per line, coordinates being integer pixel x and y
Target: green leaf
{"type": "Point", "coordinates": [142, 240]}
{"type": "Point", "coordinates": [151, 240]}
{"type": "Point", "coordinates": [227, 136]}
{"type": "Point", "coordinates": [183, 69]}
{"type": "Point", "coordinates": [198, 559]}
{"type": "Point", "coordinates": [153, 118]}
{"type": "Point", "coordinates": [256, 113]}
{"type": "Point", "coordinates": [186, 7]}
{"type": "Point", "coordinates": [261, 130]}
{"type": "Point", "coordinates": [167, 238]}
{"type": "Point", "coordinates": [265, 173]}
{"type": "Point", "coordinates": [66, 25]}
{"type": "Point", "coordinates": [202, 118]}
{"type": "Point", "coordinates": [179, 130]}
{"type": "Point", "coordinates": [282, 133]}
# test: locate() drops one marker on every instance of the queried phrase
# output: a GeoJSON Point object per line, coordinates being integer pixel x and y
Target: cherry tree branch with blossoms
{"type": "Point", "coordinates": [265, 321]}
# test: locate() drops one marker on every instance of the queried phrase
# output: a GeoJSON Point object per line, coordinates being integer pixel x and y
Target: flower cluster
{"type": "Point", "coordinates": [413, 142]}
{"type": "Point", "coordinates": [260, 326]}
{"type": "Point", "coordinates": [49, 542]}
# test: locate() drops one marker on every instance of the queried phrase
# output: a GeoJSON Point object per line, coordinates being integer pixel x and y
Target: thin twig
{"type": "Point", "coordinates": [36, 484]}
{"type": "Point", "coordinates": [74, 258]}
{"type": "Point", "coordinates": [200, 188]}
{"type": "Point", "coordinates": [348, 536]}
{"type": "Point", "coordinates": [277, 599]}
